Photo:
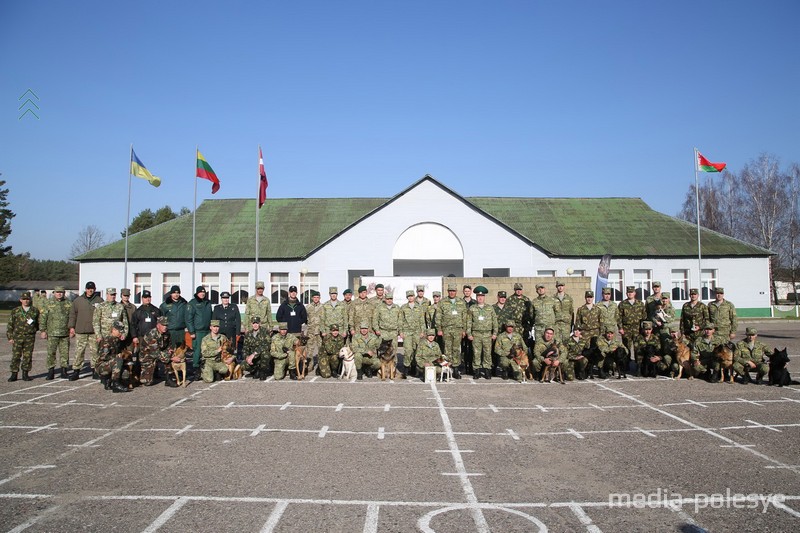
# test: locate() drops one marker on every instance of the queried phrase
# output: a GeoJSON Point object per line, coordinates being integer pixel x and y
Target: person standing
{"type": "Point", "coordinates": [481, 331]}
{"type": "Point", "coordinates": [260, 306]}
{"type": "Point", "coordinates": [609, 312]}
{"type": "Point", "coordinates": [21, 332]}
{"type": "Point", "coordinates": [314, 312]}
{"type": "Point", "coordinates": [230, 321]}
{"type": "Point", "coordinates": [565, 312]}
{"type": "Point", "coordinates": [451, 321]}
{"type": "Point", "coordinates": [387, 321]}
{"type": "Point", "coordinates": [723, 314]}
{"type": "Point", "coordinates": [334, 312]}
{"type": "Point", "coordinates": [292, 311]}
{"type": "Point", "coordinates": [694, 314]}
{"type": "Point", "coordinates": [588, 320]}
{"type": "Point", "coordinates": [54, 324]}
{"type": "Point", "coordinates": [360, 311]}
{"type": "Point", "coordinates": [522, 312]}
{"type": "Point", "coordinates": [412, 330]}
{"type": "Point", "coordinates": [631, 313]}
{"type": "Point", "coordinates": [544, 311]}
{"type": "Point", "coordinates": [467, 354]}
{"type": "Point", "coordinates": [174, 309]}
{"type": "Point", "coordinates": [144, 318]}
{"type": "Point", "coordinates": [81, 320]}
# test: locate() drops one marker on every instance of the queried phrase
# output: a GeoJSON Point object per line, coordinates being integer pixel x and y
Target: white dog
{"type": "Point", "coordinates": [348, 364]}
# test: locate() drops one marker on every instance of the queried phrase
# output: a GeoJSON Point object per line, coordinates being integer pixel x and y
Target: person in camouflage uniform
{"type": "Point", "coordinates": [260, 306]}
{"type": "Point", "coordinates": [588, 319]}
{"type": "Point", "coordinates": [23, 322]}
{"type": "Point", "coordinates": [631, 313]}
{"type": "Point", "coordinates": [544, 311]}
{"type": "Point", "coordinates": [329, 353]}
{"type": "Point", "coordinates": [333, 312]}
{"type": "Point", "coordinates": [386, 321]}
{"type": "Point", "coordinates": [522, 312]}
{"type": "Point", "coordinates": [428, 354]}
{"type": "Point", "coordinates": [109, 363]}
{"type": "Point", "coordinates": [650, 301]}
{"type": "Point", "coordinates": [650, 340]}
{"type": "Point", "coordinates": [702, 359]}
{"type": "Point", "coordinates": [565, 313]}
{"type": "Point", "coordinates": [467, 354]}
{"type": "Point", "coordinates": [723, 314]}
{"type": "Point", "coordinates": [156, 347]}
{"type": "Point", "coordinates": [315, 313]}
{"type": "Point", "coordinates": [365, 348]}
{"type": "Point", "coordinates": [212, 353]}
{"type": "Point", "coordinates": [106, 314]}
{"type": "Point", "coordinates": [420, 299]}
{"type": "Point", "coordinates": [380, 295]}
{"type": "Point", "coordinates": [39, 300]}
{"type": "Point", "coordinates": [347, 294]}
{"type": "Point", "coordinates": [662, 316]}
{"type": "Point", "coordinates": [694, 314]}
{"type": "Point", "coordinates": [503, 346]}
{"type": "Point", "coordinates": [360, 311]}
{"type": "Point", "coordinates": [751, 354]}
{"type": "Point", "coordinates": [543, 346]}
{"type": "Point", "coordinates": [482, 330]}
{"type": "Point", "coordinates": [412, 330]}
{"type": "Point", "coordinates": [609, 312]}
{"type": "Point", "coordinates": [669, 347]}
{"type": "Point", "coordinates": [282, 352]}
{"type": "Point", "coordinates": [130, 308]}
{"type": "Point", "coordinates": [451, 321]}
{"type": "Point", "coordinates": [257, 357]}
{"type": "Point", "coordinates": [606, 345]}
{"type": "Point", "coordinates": [81, 318]}
{"type": "Point", "coordinates": [54, 324]}
{"type": "Point", "coordinates": [430, 317]}
{"type": "Point", "coordinates": [576, 360]}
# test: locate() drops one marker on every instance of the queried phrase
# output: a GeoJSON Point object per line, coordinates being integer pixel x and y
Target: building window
{"type": "Point", "coordinates": [240, 281]}
{"type": "Point", "coordinates": [496, 272]}
{"type": "Point", "coordinates": [616, 281]}
{"type": "Point", "coordinates": [309, 281]}
{"type": "Point", "coordinates": [680, 285]}
{"type": "Point", "coordinates": [141, 282]}
{"type": "Point", "coordinates": [643, 281]}
{"type": "Point", "coordinates": [577, 273]}
{"type": "Point", "coordinates": [278, 287]}
{"type": "Point", "coordinates": [168, 279]}
{"type": "Point", "coordinates": [708, 283]}
{"type": "Point", "coordinates": [546, 273]}
{"type": "Point", "coordinates": [210, 280]}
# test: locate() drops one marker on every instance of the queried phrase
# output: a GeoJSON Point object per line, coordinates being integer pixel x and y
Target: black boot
{"type": "Point", "coordinates": [504, 374]}
{"type": "Point", "coordinates": [95, 375]}
{"type": "Point", "coordinates": [51, 374]}
{"type": "Point", "coordinates": [759, 378]}
{"type": "Point", "coordinates": [106, 382]}
{"type": "Point", "coordinates": [359, 374]}
{"type": "Point", "coordinates": [75, 375]}
{"type": "Point", "coordinates": [117, 386]}
{"type": "Point", "coordinates": [456, 373]}
{"type": "Point", "coordinates": [602, 374]}
{"type": "Point", "coordinates": [262, 375]}
{"type": "Point", "coordinates": [475, 375]}
{"type": "Point", "coordinates": [368, 372]}
{"type": "Point", "coordinates": [169, 381]}
{"type": "Point", "coordinates": [64, 373]}
{"type": "Point", "coordinates": [487, 374]}
{"type": "Point", "coordinates": [13, 376]}
{"type": "Point", "coordinates": [293, 374]}
{"type": "Point", "coordinates": [25, 376]}
{"type": "Point", "coordinates": [746, 378]}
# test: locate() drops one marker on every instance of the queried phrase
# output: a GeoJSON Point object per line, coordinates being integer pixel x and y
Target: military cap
{"type": "Point", "coordinates": [518, 286]}
{"type": "Point", "coordinates": [214, 323]}
{"type": "Point", "coordinates": [467, 286]}
{"type": "Point", "coordinates": [333, 290]}
{"type": "Point", "coordinates": [540, 286]}
{"type": "Point", "coordinates": [480, 289]}
{"type": "Point", "coordinates": [437, 293]}
{"type": "Point", "coordinates": [501, 294]}
{"type": "Point", "coordinates": [379, 286]}
{"type": "Point", "coordinates": [164, 321]}
{"type": "Point", "coordinates": [283, 325]}
{"type": "Point", "coordinates": [362, 288]}
{"type": "Point", "coordinates": [117, 325]}
{"type": "Point", "coordinates": [111, 290]}
{"type": "Point", "coordinates": [409, 293]}
{"type": "Point", "coordinates": [334, 327]}
{"type": "Point", "coordinates": [314, 293]}
{"type": "Point", "coordinates": [175, 288]}
{"type": "Point", "coordinates": [90, 285]}
{"type": "Point", "coordinates": [577, 327]}
{"type": "Point", "coordinates": [59, 288]}
{"type": "Point", "coordinates": [146, 294]}
{"type": "Point", "coordinates": [550, 328]}
{"type": "Point", "coordinates": [710, 325]}
{"type": "Point", "coordinates": [630, 288]}
{"type": "Point", "coordinates": [420, 288]}
{"type": "Point", "coordinates": [559, 283]}
{"type": "Point", "coordinates": [430, 331]}
{"type": "Point", "coordinates": [606, 290]}
{"type": "Point", "coordinates": [719, 290]}
{"type": "Point", "coordinates": [608, 329]}
{"type": "Point", "coordinates": [199, 288]}
{"type": "Point", "coordinates": [694, 291]}
{"type": "Point", "coordinates": [25, 296]}
{"type": "Point", "coordinates": [751, 331]}
{"type": "Point", "coordinates": [588, 294]}
{"type": "Point", "coordinates": [259, 284]}
{"type": "Point", "coordinates": [656, 284]}
{"type": "Point", "coordinates": [255, 320]}
{"type": "Point", "coordinates": [292, 288]}
{"type": "Point", "coordinates": [43, 291]}
{"type": "Point", "coordinates": [364, 325]}
{"type": "Point", "coordinates": [125, 292]}
{"type": "Point", "coordinates": [452, 287]}
{"type": "Point", "coordinates": [347, 291]}
{"type": "Point", "coordinates": [388, 295]}
{"type": "Point", "coordinates": [510, 323]}
{"type": "Point", "coordinates": [225, 294]}
{"type": "Point", "coordinates": [665, 296]}
{"type": "Point", "coordinates": [647, 325]}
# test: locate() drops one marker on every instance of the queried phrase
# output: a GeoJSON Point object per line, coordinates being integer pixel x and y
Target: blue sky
{"type": "Point", "coordinates": [362, 98]}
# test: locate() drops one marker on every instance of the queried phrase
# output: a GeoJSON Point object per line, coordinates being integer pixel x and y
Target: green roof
{"type": "Point", "coordinates": [293, 228]}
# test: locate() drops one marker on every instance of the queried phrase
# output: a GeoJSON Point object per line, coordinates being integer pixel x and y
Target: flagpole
{"type": "Point", "coordinates": [697, 207]}
{"type": "Point", "coordinates": [194, 215]}
{"type": "Point", "coordinates": [258, 199]}
{"type": "Point", "coordinates": [128, 223]}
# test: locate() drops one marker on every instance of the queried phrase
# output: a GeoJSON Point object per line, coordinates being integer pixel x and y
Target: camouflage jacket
{"type": "Point", "coordinates": [451, 315]}
{"type": "Point", "coordinates": [262, 309]}
{"type": "Point", "coordinates": [565, 309]}
{"type": "Point", "coordinates": [428, 352]}
{"type": "Point", "coordinates": [704, 347]}
{"type": "Point", "coordinates": [504, 314]}
{"type": "Point", "coordinates": [412, 319]}
{"type": "Point", "coordinates": [282, 345]}
{"type": "Point", "coordinates": [54, 319]}
{"type": "Point", "coordinates": [506, 342]}
{"type": "Point", "coordinates": [589, 320]}
{"type": "Point", "coordinates": [22, 324]}
{"type": "Point", "coordinates": [210, 346]}
{"type": "Point", "coordinates": [334, 314]}
{"type": "Point", "coordinates": [758, 353]}
{"type": "Point", "coordinates": [360, 312]}
{"type": "Point", "coordinates": [641, 343]}
{"type": "Point", "coordinates": [575, 347]}
{"type": "Point", "coordinates": [108, 349]}
{"type": "Point", "coordinates": [693, 318]}
{"type": "Point", "coordinates": [544, 311]}
{"type": "Point", "coordinates": [386, 321]}
{"type": "Point", "coordinates": [521, 309]}
{"type": "Point", "coordinates": [332, 344]}
{"type": "Point", "coordinates": [481, 320]}
{"type": "Point", "coordinates": [607, 346]}
{"type": "Point", "coordinates": [631, 316]}
{"type": "Point", "coordinates": [364, 344]}
{"type": "Point", "coordinates": [723, 315]}
{"type": "Point", "coordinates": [314, 313]}
{"type": "Point", "coordinates": [105, 315]}
{"type": "Point", "coordinates": [257, 342]}
{"type": "Point", "coordinates": [156, 345]}
{"type": "Point", "coordinates": [609, 315]}
{"type": "Point", "coordinates": [540, 347]}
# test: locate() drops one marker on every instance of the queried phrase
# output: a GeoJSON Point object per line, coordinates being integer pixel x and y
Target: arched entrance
{"type": "Point", "coordinates": [428, 249]}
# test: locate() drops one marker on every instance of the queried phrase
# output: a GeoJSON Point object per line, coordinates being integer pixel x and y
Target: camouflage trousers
{"type": "Point", "coordinates": [367, 362]}
{"type": "Point", "coordinates": [482, 350]}
{"type": "Point", "coordinates": [197, 342]}
{"type": "Point", "coordinates": [283, 364]}
{"type": "Point", "coordinates": [704, 364]}
{"type": "Point", "coordinates": [22, 351]}
{"type": "Point", "coordinates": [85, 342]}
{"type": "Point", "coordinates": [60, 344]}
{"type": "Point", "coordinates": [510, 367]}
{"type": "Point", "coordinates": [210, 366]}
{"type": "Point", "coordinates": [328, 364]}
{"type": "Point", "coordinates": [452, 346]}
{"type": "Point", "coordinates": [575, 366]}
{"type": "Point", "coordinates": [148, 365]}
{"type": "Point", "coordinates": [762, 369]}
{"type": "Point", "coordinates": [410, 345]}
{"type": "Point", "coordinates": [110, 367]}
{"type": "Point", "coordinates": [562, 331]}
{"type": "Point", "coordinates": [538, 364]}
{"type": "Point", "coordinates": [313, 345]}
{"type": "Point", "coordinates": [262, 362]}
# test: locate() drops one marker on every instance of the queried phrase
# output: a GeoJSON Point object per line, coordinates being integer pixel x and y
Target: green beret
{"type": "Point", "coordinates": [214, 323]}
{"type": "Point", "coordinates": [347, 291]}
{"type": "Point", "coordinates": [480, 289]}
{"type": "Point", "coordinates": [314, 293]}
{"type": "Point", "coordinates": [362, 288]}
{"type": "Point", "coordinates": [379, 286]}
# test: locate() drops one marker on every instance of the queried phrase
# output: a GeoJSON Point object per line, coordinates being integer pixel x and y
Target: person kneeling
{"type": "Point", "coordinates": [211, 350]}
{"type": "Point", "coordinates": [109, 362]}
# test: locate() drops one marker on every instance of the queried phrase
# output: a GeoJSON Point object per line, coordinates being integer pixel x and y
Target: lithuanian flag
{"type": "Point", "coordinates": [140, 171]}
{"type": "Point", "coordinates": [205, 171]}
{"type": "Point", "coordinates": [704, 165]}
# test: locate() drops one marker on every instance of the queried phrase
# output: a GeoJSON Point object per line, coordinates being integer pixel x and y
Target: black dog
{"type": "Point", "coordinates": [593, 356]}
{"type": "Point", "coordinates": [647, 368]}
{"type": "Point", "coordinates": [621, 358]}
{"type": "Point", "coordinates": [778, 374]}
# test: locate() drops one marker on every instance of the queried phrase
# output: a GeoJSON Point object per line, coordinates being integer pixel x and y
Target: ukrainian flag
{"type": "Point", "coordinates": [140, 171]}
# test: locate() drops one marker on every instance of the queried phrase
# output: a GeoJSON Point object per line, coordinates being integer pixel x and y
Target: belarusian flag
{"type": "Point", "coordinates": [205, 171]}
{"type": "Point", "coordinates": [262, 184]}
{"type": "Point", "coordinates": [704, 165]}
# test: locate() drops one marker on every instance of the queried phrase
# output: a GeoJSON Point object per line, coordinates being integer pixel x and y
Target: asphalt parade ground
{"type": "Point", "coordinates": [325, 455]}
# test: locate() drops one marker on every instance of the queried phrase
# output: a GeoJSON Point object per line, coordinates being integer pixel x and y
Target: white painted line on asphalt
{"type": "Point", "coordinates": [275, 517]}
{"type": "Point", "coordinates": [386, 408]}
{"type": "Point", "coordinates": [542, 409]}
{"type": "Point", "coordinates": [790, 399]}
{"type": "Point", "coordinates": [648, 433]}
{"type": "Point", "coordinates": [494, 409]}
{"type": "Point", "coordinates": [573, 432]}
{"type": "Point", "coordinates": [750, 402]}
{"type": "Point", "coordinates": [112, 404]}
{"type": "Point", "coordinates": [35, 519]}
{"type": "Point", "coordinates": [39, 397]}
{"type": "Point", "coordinates": [459, 450]}
{"type": "Point", "coordinates": [59, 406]}
{"type": "Point", "coordinates": [787, 466]}
{"type": "Point", "coordinates": [177, 403]}
{"type": "Point", "coordinates": [584, 519]}
{"type": "Point", "coordinates": [166, 515]}
{"type": "Point", "coordinates": [27, 470]}
{"type": "Point", "coordinates": [461, 473]}
{"type": "Point", "coordinates": [285, 406]}
{"type": "Point", "coordinates": [184, 430]}
{"type": "Point", "coordinates": [380, 433]}
{"type": "Point", "coordinates": [312, 380]}
{"type": "Point", "coordinates": [339, 407]}
{"type": "Point", "coordinates": [596, 407]}
{"type": "Point", "coordinates": [686, 517]}
{"type": "Point", "coordinates": [228, 406]}
{"type": "Point", "coordinates": [513, 434]}
{"type": "Point", "coordinates": [696, 403]}
{"type": "Point", "coordinates": [371, 520]}
{"type": "Point", "coordinates": [739, 446]}
{"type": "Point", "coordinates": [776, 501]}
{"type": "Point", "coordinates": [48, 426]}
{"type": "Point", "coordinates": [258, 430]}
{"type": "Point", "coordinates": [757, 424]}
{"type": "Point", "coordinates": [323, 431]}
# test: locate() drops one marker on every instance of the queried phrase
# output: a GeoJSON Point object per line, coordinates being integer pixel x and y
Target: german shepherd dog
{"type": "Point", "coordinates": [621, 359]}
{"type": "Point", "coordinates": [132, 367]}
{"type": "Point", "coordinates": [300, 356]}
{"type": "Point", "coordinates": [724, 353]}
{"type": "Point", "coordinates": [388, 361]}
{"type": "Point", "coordinates": [682, 356]}
{"type": "Point", "coordinates": [229, 358]}
{"type": "Point", "coordinates": [648, 369]}
{"type": "Point", "coordinates": [551, 372]}
{"type": "Point", "coordinates": [520, 356]}
{"type": "Point", "coordinates": [778, 373]}
{"type": "Point", "coordinates": [180, 368]}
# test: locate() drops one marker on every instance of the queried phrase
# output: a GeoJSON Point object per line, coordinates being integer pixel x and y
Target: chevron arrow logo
{"type": "Point", "coordinates": [28, 104]}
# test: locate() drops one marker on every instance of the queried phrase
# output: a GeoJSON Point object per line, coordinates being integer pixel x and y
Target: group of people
{"type": "Point", "coordinates": [464, 332]}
